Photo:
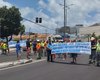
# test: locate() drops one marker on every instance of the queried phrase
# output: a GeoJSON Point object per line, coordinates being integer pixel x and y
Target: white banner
{"type": "Point", "coordinates": [74, 47]}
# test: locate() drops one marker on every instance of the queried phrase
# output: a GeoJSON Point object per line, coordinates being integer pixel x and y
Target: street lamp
{"type": "Point", "coordinates": [65, 18]}
{"type": "Point", "coordinates": [29, 32]}
{"type": "Point", "coordinates": [0, 28]}
{"type": "Point", "coordinates": [57, 28]}
{"type": "Point", "coordinates": [65, 15]}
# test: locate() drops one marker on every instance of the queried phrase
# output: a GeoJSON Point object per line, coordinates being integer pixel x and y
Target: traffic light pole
{"type": "Point", "coordinates": [64, 18]}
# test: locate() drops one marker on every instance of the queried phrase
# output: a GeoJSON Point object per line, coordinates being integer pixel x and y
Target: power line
{"type": "Point", "coordinates": [37, 24]}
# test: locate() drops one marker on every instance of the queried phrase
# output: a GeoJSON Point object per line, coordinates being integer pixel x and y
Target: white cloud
{"type": "Point", "coordinates": [25, 11]}
{"type": "Point", "coordinates": [4, 3]}
{"type": "Point", "coordinates": [77, 14]}
{"type": "Point", "coordinates": [43, 4]}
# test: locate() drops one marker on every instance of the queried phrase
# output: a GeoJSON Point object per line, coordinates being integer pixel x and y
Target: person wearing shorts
{"type": "Point", "coordinates": [18, 50]}
{"type": "Point", "coordinates": [28, 46]}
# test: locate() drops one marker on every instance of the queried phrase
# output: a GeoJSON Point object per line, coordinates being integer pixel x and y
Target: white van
{"type": "Point", "coordinates": [55, 37]}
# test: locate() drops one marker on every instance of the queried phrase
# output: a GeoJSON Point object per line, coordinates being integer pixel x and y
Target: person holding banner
{"type": "Point", "coordinates": [93, 50]}
{"type": "Point", "coordinates": [74, 56]}
{"type": "Point", "coordinates": [48, 49]}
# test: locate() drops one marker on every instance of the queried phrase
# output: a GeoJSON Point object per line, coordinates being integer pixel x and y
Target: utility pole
{"type": "Point", "coordinates": [65, 15]}
{"type": "Point", "coordinates": [46, 33]}
{"type": "Point", "coordinates": [57, 31]}
{"type": "Point", "coordinates": [64, 18]}
{"type": "Point", "coordinates": [0, 28]}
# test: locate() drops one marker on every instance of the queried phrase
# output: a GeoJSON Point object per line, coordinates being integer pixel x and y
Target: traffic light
{"type": "Point", "coordinates": [38, 20]}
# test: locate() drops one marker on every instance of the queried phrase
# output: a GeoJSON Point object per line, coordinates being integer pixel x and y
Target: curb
{"type": "Point", "coordinates": [6, 64]}
{"type": "Point", "coordinates": [14, 63]}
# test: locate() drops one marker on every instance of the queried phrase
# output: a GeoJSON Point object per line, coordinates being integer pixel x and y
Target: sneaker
{"type": "Point", "coordinates": [72, 62]}
{"type": "Point", "coordinates": [93, 62]}
{"type": "Point", "coordinates": [90, 62]}
{"type": "Point", "coordinates": [98, 64]}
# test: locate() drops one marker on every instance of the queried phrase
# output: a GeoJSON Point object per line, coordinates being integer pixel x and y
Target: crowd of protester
{"type": "Point", "coordinates": [94, 57]}
{"type": "Point", "coordinates": [42, 49]}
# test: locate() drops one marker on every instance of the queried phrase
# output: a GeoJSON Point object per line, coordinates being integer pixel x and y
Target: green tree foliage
{"type": "Point", "coordinates": [22, 30]}
{"type": "Point", "coordinates": [10, 19]}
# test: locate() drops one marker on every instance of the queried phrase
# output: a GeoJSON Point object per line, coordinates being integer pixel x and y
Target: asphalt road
{"type": "Point", "coordinates": [13, 57]}
{"type": "Point", "coordinates": [59, 70]}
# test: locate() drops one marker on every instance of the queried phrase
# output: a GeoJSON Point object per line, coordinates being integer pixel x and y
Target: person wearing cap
{"type": "Point", "coordinates": [93, 50]}
{"type": "Point", "coordinates": [4, 46]}
{"type": "Point", "coordinates": [98, 53]}
{"type": "Point", "coordinates": [38, 47]}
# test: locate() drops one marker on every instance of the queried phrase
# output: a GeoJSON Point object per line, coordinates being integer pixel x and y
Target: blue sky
{"type": "Point", "coordinates": [24, 3]}
{"type": "Point", "coordinates": [52, 13]}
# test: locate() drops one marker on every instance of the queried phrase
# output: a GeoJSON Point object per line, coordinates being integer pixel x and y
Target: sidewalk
{"type": "Point", "coordinates": [10, 59]}
{"type": "Point", "coordinates": [14, 63]}
{"type": "Point", "coordinates": [12, 56]}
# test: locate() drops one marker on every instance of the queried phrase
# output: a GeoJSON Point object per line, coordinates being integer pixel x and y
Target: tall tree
{"type": "Point", "coordinates": [10, 19]}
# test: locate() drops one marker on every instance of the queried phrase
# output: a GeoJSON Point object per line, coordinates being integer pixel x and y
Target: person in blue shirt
{"type": "Point", "coordinates": [48, 49]}
{"type": "Point", "coordinates": [49, 58]}
{"type": "Point", "coordinates": [18, 50]}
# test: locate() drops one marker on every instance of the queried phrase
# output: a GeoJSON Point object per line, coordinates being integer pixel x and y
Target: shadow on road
{"type": "Point", "coordinates": [59, 62]}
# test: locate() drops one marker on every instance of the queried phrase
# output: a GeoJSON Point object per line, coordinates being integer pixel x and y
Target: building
{"type": "Point", "coordinates": [89, 30]}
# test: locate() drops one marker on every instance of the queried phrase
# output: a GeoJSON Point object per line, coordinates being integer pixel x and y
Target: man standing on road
{"type": "Point", "coordinates": [93, 50]}
{"type": "Point", "coordinates": [38, 47]}
{"type": "Point", "coordinates": [18, 50]}
{"type": "Point", "coordinates": [4, 48]}
{"type": "Point", "coordinates": [1, 47]}
{"type": "Point", "coordinates": [49, 56]}
{"type": "Point", "coordinates": [34, 47]}
{"type": "Point", "coordinates": [28, 48]}
{"type": "Point", "coordinates": [98, 53]}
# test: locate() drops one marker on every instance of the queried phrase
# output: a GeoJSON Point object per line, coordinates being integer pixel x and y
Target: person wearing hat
{"type": "Point", "coordinates": [98, 53]}
{"type": "Point", "coordinates": [38, 47]}
{"type": "Point", "coordinates": [4, 46]}
{"type": "Point", "coordinates": [93, 50]}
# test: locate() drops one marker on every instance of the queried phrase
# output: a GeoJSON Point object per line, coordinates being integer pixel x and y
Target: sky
{"type": "Point", "coordinates": [86, 12]}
